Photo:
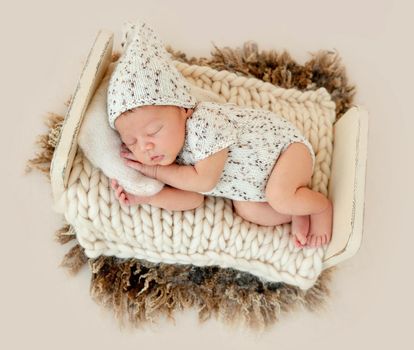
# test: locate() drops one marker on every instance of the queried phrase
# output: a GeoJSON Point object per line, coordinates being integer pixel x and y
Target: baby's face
{"type": "Point", "coordinates": [150, 131]}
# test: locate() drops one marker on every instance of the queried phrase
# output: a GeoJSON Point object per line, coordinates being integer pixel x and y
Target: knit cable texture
{"type": "Point", "coordinates": [211, 234]}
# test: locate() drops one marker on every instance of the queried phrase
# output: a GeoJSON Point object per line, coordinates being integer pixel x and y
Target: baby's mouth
{"type": "Point", "coordinates": [157, 158]}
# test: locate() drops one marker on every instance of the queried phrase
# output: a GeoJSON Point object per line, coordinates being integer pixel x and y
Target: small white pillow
{"type": "Point", "coordinates": [101, 144]}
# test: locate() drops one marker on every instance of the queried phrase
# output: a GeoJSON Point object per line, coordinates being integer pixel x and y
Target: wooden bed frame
{"type": "Point", "coordinates": [347, 182]}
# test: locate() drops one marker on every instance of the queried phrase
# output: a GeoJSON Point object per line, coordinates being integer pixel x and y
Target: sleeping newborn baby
{"type": "Point", "coordinates": [254, 157]}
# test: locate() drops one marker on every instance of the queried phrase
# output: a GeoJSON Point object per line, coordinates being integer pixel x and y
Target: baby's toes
{"type": "Point", "coordinates": [297, 243]}
{"type": "Point", "coordinates": [312, 241]}
{"type": "Point", "coordinates": [319, 241]}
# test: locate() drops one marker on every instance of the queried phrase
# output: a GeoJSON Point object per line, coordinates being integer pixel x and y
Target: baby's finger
{"type": "Point", "coordinates": [126, 200]}
{"type": "Point", "coordinates": [128, 155]}
{"type": "Point", "coordinates": [124, 147]}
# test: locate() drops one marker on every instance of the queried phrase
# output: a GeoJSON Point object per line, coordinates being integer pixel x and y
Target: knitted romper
{"type": "Point", "coordinates": [255, 138]}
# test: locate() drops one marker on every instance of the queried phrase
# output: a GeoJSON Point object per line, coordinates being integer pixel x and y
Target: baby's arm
{"type": "Point", "coordinates": [202, 177]}
{"type": "Point", "coordinates": [171, 198]}
{"type": "Point", "coordinates": [168, 198]}
{"type": "Point", "coordinates": [183, 177]}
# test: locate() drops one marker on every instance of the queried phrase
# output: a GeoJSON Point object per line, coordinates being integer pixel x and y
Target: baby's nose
{"type": "Point", "coordinates": [147, 147]}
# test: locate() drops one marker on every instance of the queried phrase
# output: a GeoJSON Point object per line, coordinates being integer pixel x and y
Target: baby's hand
{"type": "Point", "coordinates": [132, 162]}
{"type": "Point", "coordinates": [128, 198]}
{"type": "Point", "coordinates": [126, 153]}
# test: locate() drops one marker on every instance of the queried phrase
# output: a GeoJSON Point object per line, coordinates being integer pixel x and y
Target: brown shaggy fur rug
{"type": "Point", "coordinates": [141, 291]}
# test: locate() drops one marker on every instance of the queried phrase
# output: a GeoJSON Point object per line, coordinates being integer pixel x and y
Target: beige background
{"type": "Point", "coordinates": [43, 46]}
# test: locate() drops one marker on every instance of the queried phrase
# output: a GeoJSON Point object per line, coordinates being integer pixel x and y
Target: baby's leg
{"type": "Point", "coordinates": [260, 213]}
{"type": "Point", "coordinates": [287, 192]}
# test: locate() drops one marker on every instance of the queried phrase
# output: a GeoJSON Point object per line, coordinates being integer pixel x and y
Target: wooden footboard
{"type": "Point", "coordinates": [347, 185]}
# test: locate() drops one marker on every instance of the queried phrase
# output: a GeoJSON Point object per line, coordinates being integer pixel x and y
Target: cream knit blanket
{"type": "Point", "coordinates": [212, 234]}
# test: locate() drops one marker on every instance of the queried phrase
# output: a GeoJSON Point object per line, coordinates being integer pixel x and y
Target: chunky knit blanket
{"type": "Point", "coordinates": [212, 234]}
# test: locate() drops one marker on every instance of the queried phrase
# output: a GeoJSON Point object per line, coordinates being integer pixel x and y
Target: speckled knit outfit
{"type": "Point", "coordinates": [255, 138]}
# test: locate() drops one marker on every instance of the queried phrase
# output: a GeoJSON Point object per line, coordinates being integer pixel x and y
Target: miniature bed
{"type": "Point", "coordinates": [211, 238]}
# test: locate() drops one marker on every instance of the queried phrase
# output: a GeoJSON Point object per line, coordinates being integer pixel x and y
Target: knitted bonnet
{"type": "Point", "coordinates": [145, 75]}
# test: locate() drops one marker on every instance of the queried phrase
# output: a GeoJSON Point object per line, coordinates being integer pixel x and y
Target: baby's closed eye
{"type": "Point", "coordinates": [155, 132]}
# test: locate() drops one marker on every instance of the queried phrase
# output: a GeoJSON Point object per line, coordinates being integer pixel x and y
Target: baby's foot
{"type": "Point", "coordinates": [300, 229]}
{"type": "Point", "coordinates": [320, 227]}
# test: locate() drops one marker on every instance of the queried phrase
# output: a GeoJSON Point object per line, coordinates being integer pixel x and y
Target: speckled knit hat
{"type": "Point", "coordinates": [145, 74]}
